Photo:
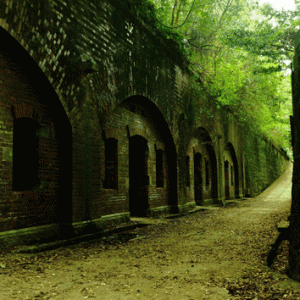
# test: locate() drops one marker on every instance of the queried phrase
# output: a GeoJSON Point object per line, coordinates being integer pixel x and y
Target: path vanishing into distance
{"type": "Point", "coordinates": [218, 253]}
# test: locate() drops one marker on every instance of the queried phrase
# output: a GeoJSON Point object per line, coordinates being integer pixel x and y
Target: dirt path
{"type": "Point", "coordinates": [214, 254]}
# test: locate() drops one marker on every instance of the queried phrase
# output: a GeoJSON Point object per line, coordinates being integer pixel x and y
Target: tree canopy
{"type": "Point", "coordinates": [239, 51]}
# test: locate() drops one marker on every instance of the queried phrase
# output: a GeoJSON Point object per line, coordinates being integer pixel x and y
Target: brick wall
{"type": "Point", "coordinates": [39, 204]}
{"type": "Point", "coordinates": [88, 71]}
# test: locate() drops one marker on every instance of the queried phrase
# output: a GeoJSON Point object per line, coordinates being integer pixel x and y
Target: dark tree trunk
{"type": "Point", "coordinates": [294, 251]}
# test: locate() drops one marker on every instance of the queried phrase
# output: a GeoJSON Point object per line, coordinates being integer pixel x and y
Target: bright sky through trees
{"type": "Point", "coordinates": [280, 4]}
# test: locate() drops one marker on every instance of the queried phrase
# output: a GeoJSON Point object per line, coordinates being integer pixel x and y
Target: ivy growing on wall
{"type": "Point", "coordinates": [237, 51]}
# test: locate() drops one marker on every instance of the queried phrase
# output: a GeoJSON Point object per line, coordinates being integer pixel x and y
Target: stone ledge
{"type": "Point", "coordinates": [101, 223]}
{"type": "Point", "coordinates": [99, 235]}
{"type": "Point", "coordinates": [158, 211]}
{"type": "Point", "coordinates": [184, 208]}
{"type": "Point", "coordinates": [48, 233]}
{"type": "Point", "coordinates": [29, 235]}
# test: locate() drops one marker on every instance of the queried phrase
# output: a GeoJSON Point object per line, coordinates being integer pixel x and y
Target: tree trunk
{"type": "Point", "coordinates": [294, 251]}
{"type": "Point", "coordinates": [178, 13]}
{"type": "Point", "coordinates": [173, 13]}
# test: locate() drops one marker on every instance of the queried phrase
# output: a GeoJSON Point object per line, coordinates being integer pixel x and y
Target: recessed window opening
{"type": "Point", "coordinates": [111, 164]}
{"type": "Point", "coordinates": [187, 163]}
{"type": "Point", "coordinates": [159, 168]}
{"type": "Point", "coordinates": [231, 169]}
{"type": "Point", "coordinates": [25, 154]}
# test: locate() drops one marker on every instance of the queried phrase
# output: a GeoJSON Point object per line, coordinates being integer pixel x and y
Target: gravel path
{"type": "Point", "coordinates": [216, 254]}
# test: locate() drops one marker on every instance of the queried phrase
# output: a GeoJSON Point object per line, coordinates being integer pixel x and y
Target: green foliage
{"type": "Point", "coordinates": [238, 52]}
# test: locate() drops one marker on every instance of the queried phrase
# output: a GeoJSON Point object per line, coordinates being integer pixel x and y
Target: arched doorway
{"type": "Point", "coordinates": [198, 184]}
{"type": "Point", "coordinates": [138, 176]}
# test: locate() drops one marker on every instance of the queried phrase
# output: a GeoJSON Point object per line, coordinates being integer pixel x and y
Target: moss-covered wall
{"type": "Point", "coordinates": [263, 163]}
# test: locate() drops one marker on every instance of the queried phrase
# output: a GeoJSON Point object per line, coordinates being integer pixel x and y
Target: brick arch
{"type": "Point", "coordinates": [204, 139]}
{"type": "Point", "coordinates": [137, 131]}
{"type": "Point", "coordinates": [197, 148]}
{"type": "Point", "coordinates": [159, 146]}
{"type": "Point", "coordinates": [229, 150]}
{"type": "Point", "coordinates": [110, 133]}
{"type": "Point", "coordinates": [139, 116]}
{"type": "Point", "coordinates": [33, 74]}
{"type": "Point", "coordinates": [27, 93]}
{"type": "Point", "coordinates": [34, 27]}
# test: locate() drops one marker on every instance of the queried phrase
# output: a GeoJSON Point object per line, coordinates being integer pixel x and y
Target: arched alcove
{"type": "Point", "coordinates": [139, 126]}
{"type": "Point", "coordinates": [235, 171]}
{"type": "Point", "coordinates": [210, 164]}
{"type": "Point", "coordinates": [28, 94]}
